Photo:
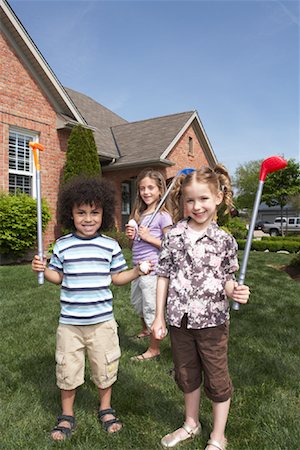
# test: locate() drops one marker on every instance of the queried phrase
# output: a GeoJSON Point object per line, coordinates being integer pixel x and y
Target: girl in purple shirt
{"type": "Point", "coordinates": [195, 276]}
{"type": "Point", "coordinates": [146, 242]}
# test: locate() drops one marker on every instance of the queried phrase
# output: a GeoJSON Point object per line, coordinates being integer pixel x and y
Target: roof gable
{"type": "Point", "coordinates": [34, 61]}
{"type": "Point", "coordinates": [147, 140]}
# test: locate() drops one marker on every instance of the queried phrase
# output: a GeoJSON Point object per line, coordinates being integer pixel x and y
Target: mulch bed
{"type": "Point", "coordinates": [293, 272]}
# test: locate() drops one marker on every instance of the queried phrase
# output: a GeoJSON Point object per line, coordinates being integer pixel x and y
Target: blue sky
{"type": "Point", "coordinates": [235, 62]}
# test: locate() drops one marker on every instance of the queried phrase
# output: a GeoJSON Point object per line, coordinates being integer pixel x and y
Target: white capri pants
{"type": "Point", "coordinates": [143, 297]}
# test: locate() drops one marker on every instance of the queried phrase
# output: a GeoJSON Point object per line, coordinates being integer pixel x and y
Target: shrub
{"type": "Point", "coordinates": [18, 223]}
{"type": "Point", "coordinates": [82, 156]}
{"type": "Point", "coordinates": [237, 228]}
{"type": "Point", "coordinates": [295, 262]}
{"type": "Point", "coordinates": [271, 245]}
{"type": "Point", "coordinates": [280, 238]}
{"type": "Point", "coordinates": [119, 236]}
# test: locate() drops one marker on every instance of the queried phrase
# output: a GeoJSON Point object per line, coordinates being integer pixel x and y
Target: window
{"type": "Point", "coordinates": [125, 198]}
{"type": "Point", "coordinates": [20, 162]}
{"type": "Point", "coordinates": [191, 147]}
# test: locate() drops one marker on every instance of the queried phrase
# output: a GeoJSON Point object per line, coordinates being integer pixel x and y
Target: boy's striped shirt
{"type": "Point", "coordinates": [86, 265]}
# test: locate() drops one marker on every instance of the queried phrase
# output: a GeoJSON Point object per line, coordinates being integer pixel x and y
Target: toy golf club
{"type": "Point", "coordinates": [36, 148]}
{"type": "Point", "coordinates": [269, 165]}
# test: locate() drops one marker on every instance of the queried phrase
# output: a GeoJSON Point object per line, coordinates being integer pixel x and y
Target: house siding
{"type": "Point", "coordinates": [24, 106]}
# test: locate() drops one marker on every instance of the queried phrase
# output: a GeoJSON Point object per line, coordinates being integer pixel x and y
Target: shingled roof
{"type": "Point", "coordinates": [101, 119]}
{"type": "Point", "coordinates": [146, 140]}
{"type": "Point", "coordinates": [128, 143]}
{"type": "Point", "coordinates": [139, 143]}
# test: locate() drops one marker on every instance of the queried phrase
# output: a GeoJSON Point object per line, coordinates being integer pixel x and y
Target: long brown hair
{"type": "Point", "coordinates": [139, 205]}
{"type": "Point", "coordinates": [218, 179]}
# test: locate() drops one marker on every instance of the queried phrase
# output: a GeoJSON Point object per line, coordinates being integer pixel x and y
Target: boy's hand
{"type": "Point", "coordinates": [145, 267]}
{"type": "Point", "coordinates": [37, 265]}
{"type": "Point", "coordinates": [159, 329]}
{"type": "Point", "coordinates": [240, 293]}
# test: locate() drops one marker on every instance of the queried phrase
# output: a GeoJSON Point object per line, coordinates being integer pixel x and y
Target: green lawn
{"type": "Point", "coordinates": [264, 363]}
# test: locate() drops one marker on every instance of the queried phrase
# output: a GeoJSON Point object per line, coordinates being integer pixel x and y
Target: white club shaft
{"type": "Point", "coordinates": [236, 305]}
{"type": "Point", "coordinates": [39, 224]}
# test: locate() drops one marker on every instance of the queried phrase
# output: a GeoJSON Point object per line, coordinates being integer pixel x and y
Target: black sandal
{"type": "Point", "coordinates": [108, 423]}
{"type": "Point", "coordinates": [65, 431]}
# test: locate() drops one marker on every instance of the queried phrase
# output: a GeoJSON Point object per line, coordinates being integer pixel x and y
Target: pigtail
{"type": "Point", "coordinates": [175, 199]}
{"type": "Point", "coordinates": [225, 186]}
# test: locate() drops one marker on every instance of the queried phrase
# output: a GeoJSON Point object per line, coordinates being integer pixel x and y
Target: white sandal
{"type": "Point", "coordinates": [170, 441]}
{"type": "Point", "coordinates": [217, 444]}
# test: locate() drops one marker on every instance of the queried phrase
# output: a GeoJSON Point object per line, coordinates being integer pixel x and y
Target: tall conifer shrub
{"type": "Point", "coordinates": [82, 156]}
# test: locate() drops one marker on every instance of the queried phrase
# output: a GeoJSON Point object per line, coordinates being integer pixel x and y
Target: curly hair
{"type": "Point", "coordinates": [84, 190]}
{"type": "Point", "coordinates": [218, 179]}
{"type": "Point", "coordinates": [139, 205]}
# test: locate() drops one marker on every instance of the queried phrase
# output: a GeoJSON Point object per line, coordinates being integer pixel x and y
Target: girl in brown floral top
{"type": "Point", "coordinates": [196, 275]}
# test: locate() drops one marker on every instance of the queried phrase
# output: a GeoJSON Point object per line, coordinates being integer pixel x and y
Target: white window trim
{"type": "Point", "coordinates": [34, 137]}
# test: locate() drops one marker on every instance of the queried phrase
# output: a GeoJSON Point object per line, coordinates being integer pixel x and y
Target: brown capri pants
{"type": "Point", "coordinates": [196, 352]}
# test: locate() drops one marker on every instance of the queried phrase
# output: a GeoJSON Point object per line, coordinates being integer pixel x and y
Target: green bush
{"type": "Point", "coordinates": [271, 245]}
{"type": "Point", "coordinates": [119, 236]}
{"type": "Point", "coordinates": [82, 156]}
{"type": "Point", "coordinates": [280, 238]}
{"type": "Point", "coordinates": [18, 223]}
{"type": "Point", "coordinates": [237, 228]}
{"type": "Point", "coordinates": [295, 262]}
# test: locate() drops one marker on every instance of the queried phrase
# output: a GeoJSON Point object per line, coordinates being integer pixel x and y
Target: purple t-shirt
{"type": "Point", "coordinates": [143, 251]}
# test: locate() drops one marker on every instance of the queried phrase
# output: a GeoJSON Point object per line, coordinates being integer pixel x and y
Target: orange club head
{"type": "Point", "coordinates": [36, 147]}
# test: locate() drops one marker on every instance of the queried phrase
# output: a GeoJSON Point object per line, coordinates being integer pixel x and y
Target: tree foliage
{"type": "Point", "coordinates": [82, 156]}
{"type": "Point", "coordinates": [246, 182]}
{"type": "Point", "coordinates": [281, 186]}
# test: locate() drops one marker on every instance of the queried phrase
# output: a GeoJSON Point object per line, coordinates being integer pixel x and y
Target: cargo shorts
{"type": "Point", "coordinates": [201, 355]}
{"type": "Point", "coordinates": [101, 344]}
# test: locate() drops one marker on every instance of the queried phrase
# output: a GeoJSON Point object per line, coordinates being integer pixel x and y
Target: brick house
{"type": "Point", "coordinates": [34, 106]}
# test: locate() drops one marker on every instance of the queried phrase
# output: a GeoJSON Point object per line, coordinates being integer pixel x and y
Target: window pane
{"type": "Point", "coordinates": [125, 198]}
{"type": "Point", "coordinates": [20, 183]}
{"type": "Point", "coordinates": [19, 152]}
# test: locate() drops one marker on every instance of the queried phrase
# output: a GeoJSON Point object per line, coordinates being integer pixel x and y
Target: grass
{"type": "Point", "coordinates": [264, 364]}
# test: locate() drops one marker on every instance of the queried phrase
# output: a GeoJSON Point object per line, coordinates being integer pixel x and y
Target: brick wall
{"type": "Point", "coordinates": [24, 105]}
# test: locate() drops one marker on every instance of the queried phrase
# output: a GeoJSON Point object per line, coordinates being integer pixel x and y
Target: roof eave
{"type": "Point", "coordinates": [155, 162]}
{"type": "Point", "coordinates": [32, 48]}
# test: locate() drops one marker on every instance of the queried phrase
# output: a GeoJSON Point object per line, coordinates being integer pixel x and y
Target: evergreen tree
{"type": "Point", "coordinates": [82, 156]}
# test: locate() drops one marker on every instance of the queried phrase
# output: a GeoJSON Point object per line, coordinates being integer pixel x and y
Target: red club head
{"type": "Point", "coordinates": [270, 165]}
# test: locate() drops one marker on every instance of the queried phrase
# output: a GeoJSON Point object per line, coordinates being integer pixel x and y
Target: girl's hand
{"type": "Point", "coordinates": [144, 234]}
{"type": "Point", "coordinates": [159, 329]}
{"type": "Point", "coordinates": [241, 293]}
{"type": "Point", "coordinates": [129, 231]}
{"type": "Point", "coordinates": [37, 265]}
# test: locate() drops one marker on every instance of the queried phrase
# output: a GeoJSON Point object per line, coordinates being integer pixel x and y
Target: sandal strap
{"type": "Point", "coordinates": [64, 430]}
{"type": "Point", "coordinates": [191, 431]}
{"type": "Point", "coordinates": [111, 422]}
{"type": "Point", "coordinates": [69, 419]}
{"type": "Point", "coordinates": [216, 444]}
{"type": "Point", "coordinates": [103, 412]}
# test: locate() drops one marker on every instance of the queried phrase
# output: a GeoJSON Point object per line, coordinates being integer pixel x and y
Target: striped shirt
{"type": "Point", "coordinates": [87, 266]}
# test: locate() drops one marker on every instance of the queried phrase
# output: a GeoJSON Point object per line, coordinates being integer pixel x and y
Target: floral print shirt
{"type": "Point", "coordinates": [197, 275]}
